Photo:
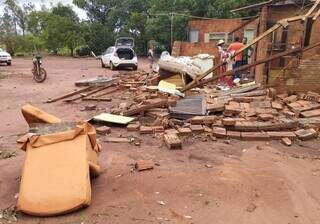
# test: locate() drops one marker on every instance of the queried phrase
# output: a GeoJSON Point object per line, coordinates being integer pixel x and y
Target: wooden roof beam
{"type": "Point", "coordinates": [257, 5]}
{"type": "Point", "coordinates": [315, 17]}
{"type": "Point", "coordinates": [311, 10]}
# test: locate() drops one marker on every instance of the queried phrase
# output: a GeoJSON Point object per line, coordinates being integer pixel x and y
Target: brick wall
{"type": "Point", "coordinates": [210, 26]}
{"type": "Point", "coordinates": [315, 37]}
{"type": "Point", "coordinates": [192, 49]}
{"type": "Point", "coordinates": [305, 78]}
{"type": "Point", "coordinates": [215, 25]}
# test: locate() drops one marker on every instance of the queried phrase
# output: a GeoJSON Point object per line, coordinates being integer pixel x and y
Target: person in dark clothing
{"type": "Point", "coordinates": [247, 52]}
{"type": "Point", "coordinates": [233, 49]}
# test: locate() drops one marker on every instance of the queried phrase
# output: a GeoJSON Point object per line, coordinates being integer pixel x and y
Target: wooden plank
{"type": "Point", "coordinates": [281, 23]}
{"type": "Point", "coordinates": [86, 95]}
{"type": "Point", "coordinates": [98, 81]}
{"type": "Point", "coordinates": [244, 67]}
{"type": "Point", "coordinates": [262, 48]}
{"type": "Point", "coordinates": [253, 6]}
{"type": "Point", "coordinates": [200, 77]}
{"type": "Point", "coordinates": [156, 103]}
{"type": "Point", "coordinates": [108, 92]}
{"type": "Point", "coordinates": [70, 94]}
{"type": "Point", "coordinates": [250, 94]}
{"type": "Point", "coordinates": [316, 15]}
{"type": "Point", "coordinates": [97, 99]}
{"type": "Point", "coordinates": [311, 10]}
{"type": "Point", "coordinates": [116, 140]}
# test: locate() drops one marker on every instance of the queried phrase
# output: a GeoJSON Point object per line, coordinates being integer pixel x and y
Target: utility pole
{"type": "Point", "coordinates": [172, 17]}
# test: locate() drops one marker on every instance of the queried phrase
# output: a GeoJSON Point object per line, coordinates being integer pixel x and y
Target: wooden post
{"type": "Point", "coordinates": [262, 48]}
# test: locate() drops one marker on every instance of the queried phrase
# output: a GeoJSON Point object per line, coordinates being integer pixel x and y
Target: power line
{"type": "Point", "coordinates": [171, 16]}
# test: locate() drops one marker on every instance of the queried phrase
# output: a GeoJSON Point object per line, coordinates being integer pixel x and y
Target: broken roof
{"type": "Point", "coordinates": [298, 3]}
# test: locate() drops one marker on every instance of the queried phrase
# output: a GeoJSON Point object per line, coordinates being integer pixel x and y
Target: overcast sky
{"type": "Point", "coordinates": [48, 3]}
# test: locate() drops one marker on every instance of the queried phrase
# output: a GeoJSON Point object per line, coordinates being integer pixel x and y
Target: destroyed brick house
{"type": "Point", "coordinates": [288, 30]}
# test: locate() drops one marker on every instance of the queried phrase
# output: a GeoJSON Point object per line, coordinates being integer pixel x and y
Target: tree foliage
{"type": "Point", "coordinates": [23, 28]}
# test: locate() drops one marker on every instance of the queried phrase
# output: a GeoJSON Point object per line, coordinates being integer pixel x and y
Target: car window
{"type": "Point", "coordinates": [109, 50]}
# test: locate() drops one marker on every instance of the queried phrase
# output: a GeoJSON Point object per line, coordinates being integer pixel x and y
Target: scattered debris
{"type": "Point", "coordinates": [98, 81]}
{"type": "Point", "coordinates": [172, 141]}
{"type": "Point", "coordinates": [133, 127]}
{"type": "Point", "coordinates": [90, 107]}
{"type": "Point", "coordinates": [251, 207]}
{"type": "Point", "coordinates": [112, 118]}
{"type": "Point", "coordinates": [286, 141]}
{"type": "Point", "coordinates": [7, 155]}
{"type": "Point", "coordinates": [8, 215]}
{"type": "Point", "coordinates": [161, 202]}
{"type": "Point", "coordinates": [117, 140]}
{"type": "Point", "coordinates": [306, 134]}
{"type": "Point", "coordinates": [144, 165]}
{"type": "Point", "coordinates": [103, 130]}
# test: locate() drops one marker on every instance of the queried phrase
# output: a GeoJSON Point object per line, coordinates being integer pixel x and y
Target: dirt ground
{"type": "Point", "coordinates": [207, 182]}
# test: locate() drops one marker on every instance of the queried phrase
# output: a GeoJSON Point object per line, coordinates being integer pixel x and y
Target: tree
{"type": "Point", "coordinates": [7, 31]}
{"type": "Point", "coordinates": [65, 11]}
{"type": "Point", "coordinates": [19, 14]}
{"type": "Point", "coordinates": [38, 21]}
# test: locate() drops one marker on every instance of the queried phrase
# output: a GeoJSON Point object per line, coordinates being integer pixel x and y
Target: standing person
{"type": "Point", "coordinates": [246, 53]}
{"type": "Point", "coordinates": [151, 56]}
{"type": "Point", "coordinates": [233, 48]}
{"type": "Point", "coordinates": [224, 55]}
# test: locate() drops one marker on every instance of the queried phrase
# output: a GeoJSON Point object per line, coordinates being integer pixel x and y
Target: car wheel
{"type": "Point", "coordinates": [112, 67]}
{"type": "Point", "coordinates": [102, 64]}
{"type": "Point", "coordinates": [9, 63]}
{"type": "Point", "coordinates": [134, 68]}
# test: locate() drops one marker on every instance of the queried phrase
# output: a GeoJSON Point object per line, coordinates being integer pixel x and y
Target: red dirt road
{"type": "Point", "coordinates": [276, 184]}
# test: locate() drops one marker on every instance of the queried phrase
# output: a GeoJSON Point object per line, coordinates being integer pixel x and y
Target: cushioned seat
{"type": "Point", "coordinates": [56, 174]}
{"type": "Point", "coordinates": [34, 115]}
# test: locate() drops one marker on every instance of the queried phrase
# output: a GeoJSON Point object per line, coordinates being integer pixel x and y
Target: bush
{"type": "Point", "coordinates": [83, 50]}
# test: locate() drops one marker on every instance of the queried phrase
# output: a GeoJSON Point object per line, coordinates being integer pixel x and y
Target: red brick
{"type": "Point", "coordinates": [234, 134]}
{"type": "Point", "coordinates": [184, 131]}
{"type": "Point", "coordinates": [228, 121]}
{"type": "Point", "coordinates": [172, 141]}
{"type": "Point", "coordinates": [281, 134]}
{"type": "Point", "coordinates": [146, 130]}
{"type": "Point", "coordinates": [197, 128]}
{"type": "Point", "coordinates": [254, 136]}
{"type": "Point", "coordinates": [133, 127]}
{"type": "Point", "coordinates": [286, 141]}
{"type": "Point", "coordinates": [216, 107]}
{"type": "Point", "coordinates": [276, 105]}
{"type": "Point", "coordinates": [219, 132]}
{"type": "Point", "coordinates": [265, 117]}
{"type": "Point", "coordinates": [144, 165]}
{"type": "Point", "coordinates": [103, 130]}
{"type": "Point", "coordinates": [171, 131]}
{"type": "Point", "coordinates": [290, 99]}
{"type": "Point", "coordinates": [311, 113]}
{"type": "Point", "coordinates": [157, 129]}
{"type": "Point", "coordinates": [306, 134]}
